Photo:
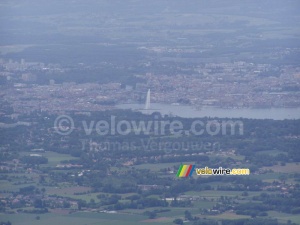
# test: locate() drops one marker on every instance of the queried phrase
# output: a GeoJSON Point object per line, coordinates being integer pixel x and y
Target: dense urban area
{"type": "Point", "coordinates": [228, 85]}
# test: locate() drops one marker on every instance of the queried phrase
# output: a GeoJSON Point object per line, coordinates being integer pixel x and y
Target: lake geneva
{"type": "Point", "coordinates": [207, 111]}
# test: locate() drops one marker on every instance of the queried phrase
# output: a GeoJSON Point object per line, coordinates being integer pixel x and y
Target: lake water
{"type": "Point", "coordinates": [192, 112]}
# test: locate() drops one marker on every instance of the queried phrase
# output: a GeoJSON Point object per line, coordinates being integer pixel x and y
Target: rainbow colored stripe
{"type": "Point", "coordinates": [185, 170]}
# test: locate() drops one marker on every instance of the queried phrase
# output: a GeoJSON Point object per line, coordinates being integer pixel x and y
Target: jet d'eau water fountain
{"type": "Point", "coordinates": [147, 103]}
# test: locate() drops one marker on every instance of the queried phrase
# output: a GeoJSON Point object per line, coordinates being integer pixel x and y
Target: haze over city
{"type": "Point", "coordinates": [149, 112]}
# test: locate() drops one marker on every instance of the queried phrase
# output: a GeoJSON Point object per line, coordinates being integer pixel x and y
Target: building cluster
{"type": "Point", "coordinates": [26, 98]}
{"type": "Point", "coordinates": [227, 85]}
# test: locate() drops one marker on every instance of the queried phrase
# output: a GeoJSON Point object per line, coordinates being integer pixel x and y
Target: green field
{"type": "Point", "coordinates": [284, 217]}
{"type": "Point", "coordinates": [158, 166]}
{"type": "Point", "coordinates": [56, 158]}
{"type": "Point", "coordinates": [218, 194]}
{"type": "Point", "coordinates": [84, 218]}
{"type": "Point", "coordinates": [288, 168]}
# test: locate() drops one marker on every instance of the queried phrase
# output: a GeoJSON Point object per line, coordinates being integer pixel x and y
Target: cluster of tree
{"type": "Point", "coordinates": [205, 222]}
{"type": "Point", "coordinates": [259, 135]}
{"type": "Point", "coordinates": [139, 204]}
{"type": "Point", "coordinates": [2, 207]}
{"type": "Point", "coordinates": [176, 203]}
{"type": "Point", "coordinates": [39, 203]}
{"type": "Point", "coordinates": [178, 221]}
{"type": "Point", "coordinates": [35, 211]}
{"type": "Point", "coordinates": [197, 158]}
{"type": "Point", "coordinates": [28, 190]}
{"type": "Point", "coordinates": [151, 214]}
{"type": "Point", "coordinates": [133, 202]}
{"type": "Point", "coordinates": [125, 188]}
{"type": "Point", "coordinates": [252, 209]}
{"type": "Point", "coordinates": [109, 200]}
{"type": "Point", "coordinates": [281, 202]}
{"type": "Point", "coordinates": [5, 223]}
{"type": "Point", "coordinates": [254, 221]}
